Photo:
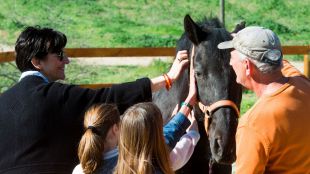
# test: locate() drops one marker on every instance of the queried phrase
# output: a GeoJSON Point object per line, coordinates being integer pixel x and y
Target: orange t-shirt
{"type": "Point", "coordinates": [274, 135]}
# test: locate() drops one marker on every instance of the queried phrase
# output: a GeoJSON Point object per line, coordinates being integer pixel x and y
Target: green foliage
{"type": "Point", "coordinates": [86, 74]}
{"type": "Point", "coordinates": [8, 75]}
{"type": "Point", "coordinates": [289, 19]}
{"type": "Point", "coordinates": [102, 23]}
{"type": "Point", "coordinates": [136, 23]}
{"type": "Point", "coordinates": [141, 23]}
{"type": "Point", "coordinates": [248, 99]}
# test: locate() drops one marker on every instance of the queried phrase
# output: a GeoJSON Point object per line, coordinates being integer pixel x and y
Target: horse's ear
{"type": "Point", "coordinates": [239, 27]}
{"type": "Point", "coordinates": [193, 31]}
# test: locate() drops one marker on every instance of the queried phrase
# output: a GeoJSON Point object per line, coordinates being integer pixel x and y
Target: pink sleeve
{"type": "Point", "coordinates": [78, 170]}
{"type": "Point", "coordinates": [184, 149]}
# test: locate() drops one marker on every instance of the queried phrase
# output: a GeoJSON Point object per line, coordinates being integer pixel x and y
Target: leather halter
{"type": "Point", "coordinates": [208, 110]}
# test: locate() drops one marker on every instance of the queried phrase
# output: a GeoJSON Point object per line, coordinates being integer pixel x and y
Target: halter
{"type": "Point", "coordinates": [208, 110]}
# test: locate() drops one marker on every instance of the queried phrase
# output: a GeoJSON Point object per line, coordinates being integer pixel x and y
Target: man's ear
{"type": "Point", "coordinates": [36, 63]}
{"type": "Point", "coordinates": [249, 69]}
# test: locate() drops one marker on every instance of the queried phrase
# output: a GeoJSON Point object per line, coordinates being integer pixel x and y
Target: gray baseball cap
{"type": "Point", "coordinates": [257, 43]}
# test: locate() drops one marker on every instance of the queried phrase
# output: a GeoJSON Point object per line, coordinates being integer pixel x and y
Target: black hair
{"type": "Point", "coordinates": [37, 42]}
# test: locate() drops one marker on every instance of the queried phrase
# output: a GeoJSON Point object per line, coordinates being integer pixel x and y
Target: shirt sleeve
{"type": "Point", "coordinates": [252, 151]}
{"type": "Point", "coordinates": [175, 128]}
{"type": "Point", "coordinates": [73, 101]}
{"type": "Point", "coordinates": [78, 170]}
{"type": "Point", "coordinates": [184, 149]}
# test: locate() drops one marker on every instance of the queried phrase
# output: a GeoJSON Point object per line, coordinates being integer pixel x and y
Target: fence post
{"type": "Point", "coordinates": [222, 11]}
{"type": "Point", "coordinates": [306, 65]}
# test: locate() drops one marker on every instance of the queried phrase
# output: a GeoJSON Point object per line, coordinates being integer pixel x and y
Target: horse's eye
{"type": "Point", "coordinates": [197, 74]}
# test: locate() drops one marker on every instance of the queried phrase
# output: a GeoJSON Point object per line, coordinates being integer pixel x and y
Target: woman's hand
{"type": "Point", "coordinates": [192, 119]}
{"type": "Point", "coordinates": [180, 62]}
{"type": "Point", "coordinates": [192, 94]}
{"type": "Point", "coordinates": [191, 98]}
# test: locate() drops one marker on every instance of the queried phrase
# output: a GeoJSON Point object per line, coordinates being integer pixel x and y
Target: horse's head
{"type": "Point", "coordinates": [216, 81]}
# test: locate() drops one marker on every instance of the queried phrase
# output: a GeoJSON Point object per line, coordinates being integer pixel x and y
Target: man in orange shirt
{"type": "Point", "coordinates": [274, 135]}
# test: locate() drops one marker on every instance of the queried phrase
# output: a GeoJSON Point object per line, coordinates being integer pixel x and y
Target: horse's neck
{"type": "Point", "coordinates": [167, 100]}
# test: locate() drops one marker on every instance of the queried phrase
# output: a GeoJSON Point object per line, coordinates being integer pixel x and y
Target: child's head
{"type": "Point", "coordinates": [141, 145]}
{"type": "Point", "coordinates": [100, 121]}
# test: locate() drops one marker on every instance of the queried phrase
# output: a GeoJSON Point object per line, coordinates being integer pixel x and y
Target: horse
{"type": "Point", "coordinates": [216, 81]}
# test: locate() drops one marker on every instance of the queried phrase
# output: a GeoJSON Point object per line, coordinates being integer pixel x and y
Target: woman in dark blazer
{"type": "Point", "coordinates": [41, 120]}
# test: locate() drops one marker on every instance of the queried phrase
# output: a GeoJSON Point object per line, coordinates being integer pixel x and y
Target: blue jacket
{"type": "Point", "coordinates": [175, 128]}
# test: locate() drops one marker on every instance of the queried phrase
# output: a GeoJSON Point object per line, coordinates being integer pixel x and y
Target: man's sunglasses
{"type": "Point", "coordinates": [61, 55]}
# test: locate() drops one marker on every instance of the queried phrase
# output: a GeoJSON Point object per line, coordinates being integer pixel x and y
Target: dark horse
{"type": "Point", "coordinates": [216, 81]}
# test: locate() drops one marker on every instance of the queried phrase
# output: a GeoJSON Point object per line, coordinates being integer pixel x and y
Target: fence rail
{"type": "Point", "coordinates": [149, 52]}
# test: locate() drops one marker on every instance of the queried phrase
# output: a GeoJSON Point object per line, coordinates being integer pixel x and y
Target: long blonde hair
{"type": "Point", "coordinates": [97, 122]}
{"type": "Point", "coordinates": [142, 147]}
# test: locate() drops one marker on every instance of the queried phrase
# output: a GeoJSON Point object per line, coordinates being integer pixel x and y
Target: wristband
{"type": "Point", "coordinates": [168, 81]}
{"type": "Point", "coordinates": [187, 104]}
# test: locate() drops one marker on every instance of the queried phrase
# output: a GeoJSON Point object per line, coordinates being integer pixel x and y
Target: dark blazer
{"type": "Point", "coordinates": [42, 123]}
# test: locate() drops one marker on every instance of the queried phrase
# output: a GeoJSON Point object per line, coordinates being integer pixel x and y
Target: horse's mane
{"type": "Point", "coordinates": [210, 22]}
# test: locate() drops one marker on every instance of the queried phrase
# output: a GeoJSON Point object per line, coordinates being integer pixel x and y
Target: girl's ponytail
{"type": "Point", "coordinates": [97, 122]}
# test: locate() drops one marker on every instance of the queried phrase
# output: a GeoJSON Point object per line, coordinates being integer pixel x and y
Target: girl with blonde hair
{"type": "Point", "coordinates": [142, 145]}
{"type": "Point", "coordinates": [98, 146]}
{"type": "Point", "coordinates": [145, 144]}
{"type": "Point", "coordinates": [143, 140]}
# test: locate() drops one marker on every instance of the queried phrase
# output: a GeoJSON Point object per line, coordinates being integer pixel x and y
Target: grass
{"type": "Point", "coordinates": [117, 74]}
{"type": "Point", "coordinates": [8, 75]}
{"type": "Point", "coordinates": [86, 74]}
{"type": "Point", "coordinates": [248, 99]}
{"type": "Point", "coordinates": [140, 23]}
{"type": "Point", "coordinates": [145, 23]}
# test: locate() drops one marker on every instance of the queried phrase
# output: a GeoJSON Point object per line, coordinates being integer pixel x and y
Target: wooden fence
{"type": "Point", "coordinates": [149, 52]}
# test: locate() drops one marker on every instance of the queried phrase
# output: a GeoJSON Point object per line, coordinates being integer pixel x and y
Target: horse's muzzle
{"type": "Point", "coordinates": [221, 154]}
